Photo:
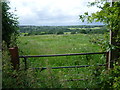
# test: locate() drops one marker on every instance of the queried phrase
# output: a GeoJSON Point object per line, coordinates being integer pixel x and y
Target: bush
{"type": "Point", "coordinates": [60, 32]}
{"type": "Point", "coordinates": [12, 78]}
{"type": "Point", "coordinates": [73, 32]}
{"type": "Point", "coordinates": [83, 31]}
{"type": "Point", "coordinates": [105, 79]}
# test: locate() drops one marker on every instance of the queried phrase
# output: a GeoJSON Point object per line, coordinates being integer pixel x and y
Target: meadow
{"type": "Point", "coordinates": [62, 44]}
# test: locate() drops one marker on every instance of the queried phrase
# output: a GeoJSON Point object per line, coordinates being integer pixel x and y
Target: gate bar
{"type": "Point", "coordinates": [43, 68]}
{"type": "Point", "coordinates": [30, 56]}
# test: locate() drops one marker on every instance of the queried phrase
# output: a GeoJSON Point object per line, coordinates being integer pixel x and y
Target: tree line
{"type": "Point", "coordinates": [42, 30]}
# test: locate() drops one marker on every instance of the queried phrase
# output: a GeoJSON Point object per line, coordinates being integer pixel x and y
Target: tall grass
{"type": "Point", "coordinates": [56, 44]}
{"type": "Point", "coordinates": [61, 44]}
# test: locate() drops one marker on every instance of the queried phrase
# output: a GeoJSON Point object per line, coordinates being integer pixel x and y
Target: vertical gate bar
{"type": "Point", "coordinates": [107, 60]}
{"type": "Point", "coordinates": [25, 60]}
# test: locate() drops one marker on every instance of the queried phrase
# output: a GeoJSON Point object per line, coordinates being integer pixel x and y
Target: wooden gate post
{"type": "Point", "coordinates": [14, 57]}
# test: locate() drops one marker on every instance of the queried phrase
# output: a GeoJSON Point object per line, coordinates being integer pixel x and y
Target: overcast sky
{"type": "Point", "coordinates": [51, 12]}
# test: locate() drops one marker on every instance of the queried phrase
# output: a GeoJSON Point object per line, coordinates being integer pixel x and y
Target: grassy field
{"type": "Point", "coordinates": [84, 28]}
{"type": "Point", "coordinates": [56, 44]}
{"type": "Point", "coordinates": [61, 44]}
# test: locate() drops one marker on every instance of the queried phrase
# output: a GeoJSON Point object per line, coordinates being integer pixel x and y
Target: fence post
{"type": "Point", "coordinates": [14, 57]}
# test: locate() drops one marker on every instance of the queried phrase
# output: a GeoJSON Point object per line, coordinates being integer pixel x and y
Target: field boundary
{"type": "Point", "coordinates": [15, 59]}
{"type": "Point", "coordinates": [54, 55]}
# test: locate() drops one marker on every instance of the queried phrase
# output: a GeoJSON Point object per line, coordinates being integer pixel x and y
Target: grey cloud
{"type": "Point", "coordinates": [45, 16]}
{"type": "Point", "coordinates": [52, 16]}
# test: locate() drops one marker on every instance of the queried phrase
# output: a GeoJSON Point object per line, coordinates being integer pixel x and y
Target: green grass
{"type": "Point", "coordinates": [57, 44]}
{"type": "Point", "coordinates": [84, 28]}
{"type": "Point", "coordinates": [61, 44]}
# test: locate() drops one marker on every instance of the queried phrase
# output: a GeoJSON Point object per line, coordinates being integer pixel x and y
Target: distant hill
{"type": "Point", "coordinates": [41, 30]}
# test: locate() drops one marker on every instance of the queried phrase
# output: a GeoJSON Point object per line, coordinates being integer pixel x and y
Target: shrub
{"type": "Point", "coordinates": [60, 32]}
{"type": "Point", "coordinates": [105, 79]}
{"type": "Point", "coordinates": [12, 78]}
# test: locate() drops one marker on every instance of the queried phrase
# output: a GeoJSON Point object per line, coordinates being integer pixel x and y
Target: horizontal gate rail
{"type": "Point", "coordinates": [43, 68]}
{"type": "Point", "coordinates": [15, 58]}
{"type": "Point", "coordinates": [74, 54]}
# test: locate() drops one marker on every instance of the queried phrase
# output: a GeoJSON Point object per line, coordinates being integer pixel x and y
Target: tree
{"type": "Point", "coordinates": [83, 31]}
{"type": "Point", "coordinates": [60, 32]}
{"type": "Point", "coordinates": [73, 32]}
{"type": "Point", "coordinates": [110, 16]}
{"type": "Point", "coordinates": [9, 25]}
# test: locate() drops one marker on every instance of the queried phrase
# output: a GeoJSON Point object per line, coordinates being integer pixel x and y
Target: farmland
{"type": "Point", "coordinates": [36, 31]}
{"type": "Point", "coordinates": [43, 30]}
{"type": "Point", "coordinates": [62, 44]}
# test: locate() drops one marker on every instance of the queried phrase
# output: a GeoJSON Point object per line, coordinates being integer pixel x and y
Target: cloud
{"type": "Point", "coordinates": [50, 12]}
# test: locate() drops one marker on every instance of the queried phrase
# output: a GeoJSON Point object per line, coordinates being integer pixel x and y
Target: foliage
{"type": "Point", "coordinates": [12, 78]}
{"type": "Point", "coordinates": [43, 30]}
{"type": "Point", "coordinates": [9, 25]}
{"type": "Point", "coordinates": [103, 42]}
{"type": "Point", "coordinates": [60, 32]}
{"type": "Point", "coordinates": [109, 15]}
{"type": "Point", "coordinates": [105, 79]}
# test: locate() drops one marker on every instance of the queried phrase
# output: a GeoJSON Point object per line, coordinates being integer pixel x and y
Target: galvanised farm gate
{"type": "Point", "coordinates": [15, 59]}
